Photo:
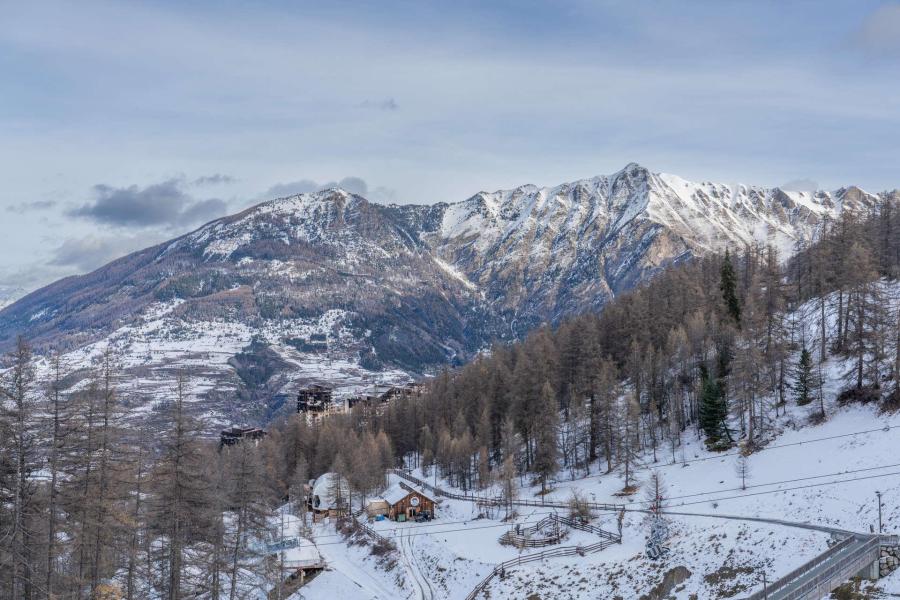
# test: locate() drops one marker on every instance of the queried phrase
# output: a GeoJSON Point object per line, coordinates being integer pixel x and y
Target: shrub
{"type": "Point", "coordinates": [863, 395]}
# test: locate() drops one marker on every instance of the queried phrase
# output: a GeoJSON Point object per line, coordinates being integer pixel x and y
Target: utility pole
{"type": "Point", "coordinates": [879, 510]}
{"type": "Point", "coordinates": [765, 586]}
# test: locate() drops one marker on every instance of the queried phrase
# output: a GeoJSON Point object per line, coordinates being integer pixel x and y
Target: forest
{"type": "Point", "coordinates": [714, 348]}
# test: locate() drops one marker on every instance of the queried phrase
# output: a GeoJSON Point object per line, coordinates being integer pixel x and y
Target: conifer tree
{"type": "Point", "coordinates": [247, 503]}
{"type": "Point", "coordinates": [713, 410]}
{"type": "Point", "coordinates": [803, 385]}
{"type": "Point", "coordinates": [728, 287]}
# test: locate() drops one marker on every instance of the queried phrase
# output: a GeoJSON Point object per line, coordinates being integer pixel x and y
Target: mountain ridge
{"type": "Point", "coordinates": [413, 287]}
{"type": "Point", "coordinates": [498, 219]}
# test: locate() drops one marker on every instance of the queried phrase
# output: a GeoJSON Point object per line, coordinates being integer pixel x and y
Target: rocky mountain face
{"type": "Point", "coordinates": [342, 289]}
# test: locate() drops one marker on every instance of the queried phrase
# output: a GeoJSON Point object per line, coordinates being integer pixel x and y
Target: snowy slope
{"type": "Point", "coordinates": [725, 557]}
{"type": "Point", "coordinates": [824, 474]}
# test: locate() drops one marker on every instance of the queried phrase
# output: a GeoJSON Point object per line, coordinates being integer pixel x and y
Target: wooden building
{"type": "Point", "coordinates": [404, 502]}
{"type": "Point", "coordinates": [378, 506]}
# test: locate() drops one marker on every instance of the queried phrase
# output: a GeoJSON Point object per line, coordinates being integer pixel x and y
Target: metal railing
{"type": "Point", "coordinates": [822, 574]}
{"type": "Point", "coordinates": [312, 563]}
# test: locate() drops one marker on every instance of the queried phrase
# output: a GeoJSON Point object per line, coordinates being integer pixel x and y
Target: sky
{"type": "Point", "coordinates": [123, 124]}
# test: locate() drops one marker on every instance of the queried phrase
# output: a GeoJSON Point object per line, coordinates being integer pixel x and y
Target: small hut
{"type": "Point", "coordinates": [378, 507]}
{"type": "Point", "coordinates": [405, 502]}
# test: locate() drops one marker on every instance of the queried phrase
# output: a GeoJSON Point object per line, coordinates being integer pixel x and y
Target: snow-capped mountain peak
{"type": "Point", "coordinates": [413, 286]}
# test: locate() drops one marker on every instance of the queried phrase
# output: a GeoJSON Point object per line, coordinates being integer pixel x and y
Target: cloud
{"type": "Point", "coordinates": [88, 253]}
{"type": "Point", "coordinates": [292, 188]}
{"type": "Point", "coordinates": [214, 179]}
{"type": "Point", "coordinates": [28, 277]}
{"type": "Point", "coordinates": [75, 255]}
{"type": "Point", "coordinates": [800, 185]}
{"type": "Point", "coordinates": [24, 207]}
{"type": "Point", "coordinates": [203, 211]}
{"type": "Point", "coordinates": [385, 195]}
{"type": "Point", "coordinates": [388, 104]}
{"type": "Point", "coordinates": [354, 185]}
{"type": "Point", "coordinates": [879, 34]}
{"type": "Point", "coordinates": [163, 204]}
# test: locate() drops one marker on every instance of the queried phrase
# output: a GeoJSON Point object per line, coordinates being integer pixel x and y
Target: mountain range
{"type": "Point", "coordinates": [329, 286]}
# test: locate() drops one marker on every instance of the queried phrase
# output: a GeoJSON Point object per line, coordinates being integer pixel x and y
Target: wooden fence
{"type": "Point", "coordinates": [498, 500]}
{"type": "Point", "coordinates": [527, 558]}
{"type": "Point", "coordinates": [524, 537]}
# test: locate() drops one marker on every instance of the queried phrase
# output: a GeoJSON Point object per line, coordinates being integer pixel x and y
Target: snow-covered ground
{"type": "Point", "coordinates": [825, 474]}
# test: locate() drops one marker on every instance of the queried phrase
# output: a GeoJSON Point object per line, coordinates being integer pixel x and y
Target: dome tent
{"type": "Point", "coordinates": [324, 491]}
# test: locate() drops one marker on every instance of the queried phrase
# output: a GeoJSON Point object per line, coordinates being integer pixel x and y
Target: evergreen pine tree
{"type": "Point", "coordinates": [713, 410]}
{"type": "Point", "coordinates": [728, 287]}
{"type": "Point", "coordinates": [803, 379]}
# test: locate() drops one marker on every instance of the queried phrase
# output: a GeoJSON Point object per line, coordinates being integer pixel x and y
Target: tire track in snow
{"type": "Point", "coordinates": [418, 567]}
{"type": "Point", "coordinates": [406, 550]}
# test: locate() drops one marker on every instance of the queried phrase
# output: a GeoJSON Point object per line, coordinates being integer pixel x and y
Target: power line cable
{"type": "Point", "coordinates": [759, 485]}
{"type": "Point", "coordinates": [800, 487]}
{"type": "Point", "coordinates": [774, 447]}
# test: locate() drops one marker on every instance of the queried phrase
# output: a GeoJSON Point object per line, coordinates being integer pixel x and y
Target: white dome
{"type": "Point", "coordinates": [323, 491]}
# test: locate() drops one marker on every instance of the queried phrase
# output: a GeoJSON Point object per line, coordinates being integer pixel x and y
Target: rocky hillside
{"type": "Point", "coordinates": [331, 276]}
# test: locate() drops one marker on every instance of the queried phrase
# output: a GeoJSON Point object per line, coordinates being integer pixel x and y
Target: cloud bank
{"type": "Point", "coordinates": [164, 204]}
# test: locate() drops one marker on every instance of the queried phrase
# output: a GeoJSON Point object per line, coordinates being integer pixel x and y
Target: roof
{"type": "Point", "coordinates": [395, 494]}
{"type": "Point", "coordinates": [239, 431]}
{"type": "Point", "coordinates": [399, 491]}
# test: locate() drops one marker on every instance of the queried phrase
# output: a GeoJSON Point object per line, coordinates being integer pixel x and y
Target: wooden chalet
{"type": "Point", "coordinates": [403, 502]}
{"type": "Point", "coordinates": [230, 437]}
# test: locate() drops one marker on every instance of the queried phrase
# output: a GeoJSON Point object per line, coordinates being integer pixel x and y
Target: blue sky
{"type": "Point", "coordinates": [125, 123]}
